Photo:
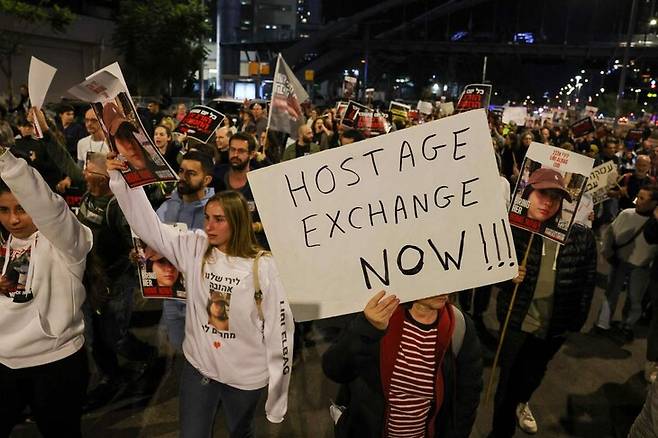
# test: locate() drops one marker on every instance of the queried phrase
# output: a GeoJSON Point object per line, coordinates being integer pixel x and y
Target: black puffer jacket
{"type": "Point", "coordinates": [354, 361]}
{"type": "Point", "coordinates": [574, 281]}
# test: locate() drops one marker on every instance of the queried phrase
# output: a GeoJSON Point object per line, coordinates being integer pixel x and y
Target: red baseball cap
{"type": "Point", "coordinates": [543, 178]}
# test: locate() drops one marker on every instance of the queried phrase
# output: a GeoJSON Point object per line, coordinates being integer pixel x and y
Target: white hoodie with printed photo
{"type": "Point", "coordinates": [234, 351]}
{"type": "Point", "coordinates": [49, 326]}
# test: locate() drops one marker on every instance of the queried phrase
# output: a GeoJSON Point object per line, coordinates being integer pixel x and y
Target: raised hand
{"type": "Point", "coordinates": [113, 163]}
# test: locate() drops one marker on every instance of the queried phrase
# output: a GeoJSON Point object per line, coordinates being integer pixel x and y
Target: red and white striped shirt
{"type": "Point", "coordinates": [412, 384]}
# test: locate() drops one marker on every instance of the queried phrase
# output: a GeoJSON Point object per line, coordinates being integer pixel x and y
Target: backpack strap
{"type": "Point", "coordinates": [459, 331]}
{"type": "Point", "coordinates": [258, 294]}
{"type": "Point", "coordinates": [113, 200]}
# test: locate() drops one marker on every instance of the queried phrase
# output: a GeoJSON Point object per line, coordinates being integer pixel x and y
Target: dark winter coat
{"type": "Point", "coordinates": [354, 361]}
{"type": "Point", "coordinates": [574, 281]}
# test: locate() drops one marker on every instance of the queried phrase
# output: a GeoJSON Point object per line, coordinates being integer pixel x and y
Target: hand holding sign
{"type": "Point", "coordinates": [379, 310]}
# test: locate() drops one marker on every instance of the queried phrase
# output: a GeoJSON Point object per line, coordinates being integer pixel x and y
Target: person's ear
{"type": "Point", "coordinates": [207, 180]}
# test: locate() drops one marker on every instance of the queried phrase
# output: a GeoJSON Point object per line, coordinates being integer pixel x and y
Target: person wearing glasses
{"type": "Point", "coordinates": [233, 176]}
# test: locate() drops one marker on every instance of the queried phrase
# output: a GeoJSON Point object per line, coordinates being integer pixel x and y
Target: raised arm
{"type": "Point", "coordinates": [49, 211]}
{"type": "Point", "coordinates": [175, 246]}
{"type": "Point", "coordinates": [58, 153]}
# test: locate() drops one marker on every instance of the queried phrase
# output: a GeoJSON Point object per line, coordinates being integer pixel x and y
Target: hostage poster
{"type": "Point", "coordinates": [201, 123]}
{"type": "Point", "coordinates": [474, 96]}
{"type": "Point", "coordinates": [123, 129]}
{"type": "Point", "coordinates": [548, 191]}
{"type": "Point", "coordinates": [158, 277]}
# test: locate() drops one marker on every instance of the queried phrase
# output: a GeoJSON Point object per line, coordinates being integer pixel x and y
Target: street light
{"type": "Point", "coordinates": [653, 22]}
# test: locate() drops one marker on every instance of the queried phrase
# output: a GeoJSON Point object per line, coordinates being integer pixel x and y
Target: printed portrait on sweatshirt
{"type": "Point", "coordinates": [16, 273]}
{"type": "Point", "coordinates": [218, 310]}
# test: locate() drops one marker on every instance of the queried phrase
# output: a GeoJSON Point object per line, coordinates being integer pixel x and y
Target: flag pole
{"type": "Point", "coordinates": [503, 330]}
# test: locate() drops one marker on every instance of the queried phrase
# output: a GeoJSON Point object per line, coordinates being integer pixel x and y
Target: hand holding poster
{"type": "Point", "coordinates": [420, 212]}
{"type": "Point", "coordinates": [200, 123]}
{"type": "Point", "coordinates": [548, 191]}
{"type": "Point", "coordinates": [122, 127]}
{"type": "Point", "coordinates": [600, 180]}
{"type": "Point", "coordinates": [474, 96]}
{"type": "Point", "coordinates": [158, 277]}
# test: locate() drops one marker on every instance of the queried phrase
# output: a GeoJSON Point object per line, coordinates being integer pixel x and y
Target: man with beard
{"type": "Point", "coordinates": [185, 206]}
{"type": "Point", "coordinates": [303, 146]}
{"type": "Point", "coordinates": [233, 176]}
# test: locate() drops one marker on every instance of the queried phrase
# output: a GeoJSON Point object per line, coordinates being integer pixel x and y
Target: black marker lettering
{"type": "Point", "coordinates": [307, 231]}
{"type": "Point", "coordinates": [334, 223]}
{"type": "Point", "coordinates": [419, 264]}
{"type": "Point", "coordinates": [317, 180]}
{"type": "Point", "coordinates": [434, 148]}
{"type": "Point", "coordinates": [372, 158]}
{"type": "Point", "coordinates": [445, 198]}
{"type": "Point", "coordinates": [364, 264]}
{"type": "Point", "coordinates": [399, 207]}
{"type": "Point", "coordinates": [458, 145]}
{"type": "Point", "coordinates": [466, 192]}
{"type": "Point", "coordinates": [292, 191]}
{"type": "Point", "coordinates": [349, 217]}
{"type": "Point", "coordinates": [358, 178]}
{"type": "Point", "coordinates": [408, 155]}
{"type": "Point", "coordinates": [375, 213]}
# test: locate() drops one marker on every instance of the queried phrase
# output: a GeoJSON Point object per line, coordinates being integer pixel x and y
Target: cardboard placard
{"type": "Point", "coordinates": [600, 180]}
{"type": "Point", "coordinates": [419, 212]}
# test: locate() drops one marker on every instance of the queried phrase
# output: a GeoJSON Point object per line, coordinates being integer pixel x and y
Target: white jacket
{"type": "Point", "coordinates": [241, 356]}
{"type": "Point", "coordinates": [50, 326]}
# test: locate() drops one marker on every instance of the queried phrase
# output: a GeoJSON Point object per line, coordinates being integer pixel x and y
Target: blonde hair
{"type": "Point", "coordinates": [242, 242]}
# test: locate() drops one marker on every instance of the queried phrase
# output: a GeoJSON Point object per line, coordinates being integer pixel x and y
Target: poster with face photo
{"type": "Point", "coordinates": [158, 277]}
{"type": "Point", "coordinates": [548, 191]}
{"type": "Point", "coordinates": [123, 129]}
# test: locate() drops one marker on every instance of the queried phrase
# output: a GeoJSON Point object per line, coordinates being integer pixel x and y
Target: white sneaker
{"type": "Point", "coordinates": [651, 371]}
{"type": "Point", "coordinates": [526, 420]}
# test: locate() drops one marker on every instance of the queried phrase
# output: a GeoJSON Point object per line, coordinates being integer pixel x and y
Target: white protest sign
{"type": "Point", "coordinates": [601, 178]}
{"type": "Point", "coordinates": [418, 212]}
{"type": "Point", "coordinates": [424, 107]}
{"type": "Point", "coordinates": [38, 81]}
{"type": "Point", "coordinates": [446, 108]}
{"type": "Point", "coordinates": [516, 114]}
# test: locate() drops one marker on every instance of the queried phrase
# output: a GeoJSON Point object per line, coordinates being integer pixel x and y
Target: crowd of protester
{"type": "Point", "coordinates": [405, 369]}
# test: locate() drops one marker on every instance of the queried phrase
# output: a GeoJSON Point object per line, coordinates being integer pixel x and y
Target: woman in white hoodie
{"type": "Point", "coordinates": [42, 362]}
{"type": "Point", "coordinates": [237, 341]}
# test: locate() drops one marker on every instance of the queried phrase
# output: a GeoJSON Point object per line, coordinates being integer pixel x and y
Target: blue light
{"type": "Point", "coordinates": [524, 37]}
{"type": "Point", "coordinates": [457, 36]}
